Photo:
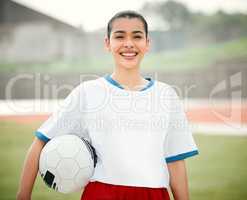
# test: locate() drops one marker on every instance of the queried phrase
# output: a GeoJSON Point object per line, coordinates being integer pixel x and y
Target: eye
{"type": "Point", "coordinates": [138, 36]}
{"type": "Point", "coordinates": [119, 37]}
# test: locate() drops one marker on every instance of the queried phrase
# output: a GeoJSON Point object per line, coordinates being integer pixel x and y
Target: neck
{"type": "Point", "coordinates": [129, 79]}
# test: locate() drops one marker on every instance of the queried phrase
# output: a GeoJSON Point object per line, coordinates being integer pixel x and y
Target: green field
{"type": "Point", "coordinates": [177, 60]}
{"type": "Point", "coordinates": [218, 173]}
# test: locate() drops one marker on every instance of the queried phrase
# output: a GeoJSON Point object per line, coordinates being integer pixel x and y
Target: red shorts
{"type": "Point", "coordinates": [102, 191]}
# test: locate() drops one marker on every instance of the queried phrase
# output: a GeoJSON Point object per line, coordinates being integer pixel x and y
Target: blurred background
{"type": "Point", "coordinates": [198, 47]}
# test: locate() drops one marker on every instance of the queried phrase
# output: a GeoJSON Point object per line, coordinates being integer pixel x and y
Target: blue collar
{"type": "Point", "coordinates": [115, 83]}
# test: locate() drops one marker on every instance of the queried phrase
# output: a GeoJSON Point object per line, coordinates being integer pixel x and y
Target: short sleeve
{"type": "Point", "coordinates": [68, 119]}
{"type": "Point", "coordinates": [179, 143]}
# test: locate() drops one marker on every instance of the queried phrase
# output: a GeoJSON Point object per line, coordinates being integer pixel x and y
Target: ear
{"type": "Point", "coordinates": [107, 43]}
{"type": "Point", "coordinates": [148, 44]}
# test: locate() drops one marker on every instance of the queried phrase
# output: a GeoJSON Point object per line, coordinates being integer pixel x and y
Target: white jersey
{"type": "Point", "coordinates": [135, 133]}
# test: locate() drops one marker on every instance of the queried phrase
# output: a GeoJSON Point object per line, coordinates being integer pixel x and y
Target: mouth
{"type": "Point", "coordinates": [129, 55]}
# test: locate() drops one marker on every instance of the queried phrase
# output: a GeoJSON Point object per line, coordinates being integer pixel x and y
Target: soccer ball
{"type": "Point", "coordinates": [66, 163]}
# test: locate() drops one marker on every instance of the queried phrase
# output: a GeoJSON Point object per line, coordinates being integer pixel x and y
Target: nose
{"type": "Point", "coordinates": [128, 43]}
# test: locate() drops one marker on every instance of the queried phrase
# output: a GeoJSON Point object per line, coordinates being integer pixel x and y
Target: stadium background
{"type": "Point", "coordinates": [203, 56]}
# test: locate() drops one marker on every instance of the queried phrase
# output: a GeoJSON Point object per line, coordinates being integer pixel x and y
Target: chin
{"type": "Point", "coordinates": [129, 65]}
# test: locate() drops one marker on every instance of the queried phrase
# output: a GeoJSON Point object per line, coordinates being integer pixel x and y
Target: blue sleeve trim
{"type": "Point", "coordinates": [181, 156]}
{"type": "Point", "coordinates": [42, 137]}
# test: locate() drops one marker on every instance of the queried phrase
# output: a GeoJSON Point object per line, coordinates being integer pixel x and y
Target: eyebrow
{"type": "Point", "coordinates": [120, 31]}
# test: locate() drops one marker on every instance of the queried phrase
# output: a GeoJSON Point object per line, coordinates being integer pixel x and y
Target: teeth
{"type": "Point", "coordinates": [128, 54]}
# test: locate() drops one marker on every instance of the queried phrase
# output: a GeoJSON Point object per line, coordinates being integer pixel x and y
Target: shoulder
{"type": "Point", "coordinates": [94, 91]}
{"type": "Point", "coordinates": [93, 83]}
{"type": "Point", "coordinates": [89, 85]}
{"type": "Point", "coordinates": [161, 84]}
{"type": "Point", "coordinates": [165, 89]}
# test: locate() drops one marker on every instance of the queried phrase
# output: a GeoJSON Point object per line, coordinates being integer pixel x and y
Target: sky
{"type": "Point", "coordinates": [94, 14]}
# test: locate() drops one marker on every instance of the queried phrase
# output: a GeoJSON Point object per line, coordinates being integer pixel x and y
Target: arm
{"type": "Point", "coordinates": [178, 180]}
{"type": "Point", "coordinates": [29, 171]}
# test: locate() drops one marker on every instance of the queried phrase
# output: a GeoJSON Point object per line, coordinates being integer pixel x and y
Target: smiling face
{"type": "Point", "coordinates": [128, 42]}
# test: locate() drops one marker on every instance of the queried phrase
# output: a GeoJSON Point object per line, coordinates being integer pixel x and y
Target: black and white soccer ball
{"type": "Point", "coordinates": [67, 163]}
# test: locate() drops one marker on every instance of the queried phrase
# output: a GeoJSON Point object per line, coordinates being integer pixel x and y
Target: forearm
{"type": "Point", "coordinates": [29, 171]}
{"type": "Point", "coordinates": [178, 180]}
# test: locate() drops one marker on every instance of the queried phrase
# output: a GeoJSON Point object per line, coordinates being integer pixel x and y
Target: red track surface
{"type": "Point", "coordinates": [202, 114]}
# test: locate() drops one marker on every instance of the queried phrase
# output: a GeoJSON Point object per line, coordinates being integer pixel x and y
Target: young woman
{"type": "Point", "coordinates": [137, 125]}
